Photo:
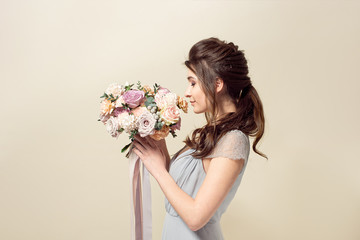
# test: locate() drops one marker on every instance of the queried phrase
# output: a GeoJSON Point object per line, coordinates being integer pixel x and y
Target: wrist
{"type": "Point", "coordinates": [160, 174]}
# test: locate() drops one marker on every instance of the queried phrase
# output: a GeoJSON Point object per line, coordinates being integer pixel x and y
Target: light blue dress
{"type": "Point", "coordinates": [189, 174]}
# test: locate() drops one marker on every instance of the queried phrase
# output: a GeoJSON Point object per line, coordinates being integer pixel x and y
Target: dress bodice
{"type": "Point", "coordinates": [189, 174]}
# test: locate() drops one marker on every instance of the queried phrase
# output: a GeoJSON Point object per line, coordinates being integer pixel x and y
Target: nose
{"type": "Point", "coordinates": [187, 92]}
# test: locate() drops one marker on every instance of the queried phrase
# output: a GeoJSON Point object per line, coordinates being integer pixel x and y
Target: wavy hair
{"type": "Point", "coordinates": [211, 59]}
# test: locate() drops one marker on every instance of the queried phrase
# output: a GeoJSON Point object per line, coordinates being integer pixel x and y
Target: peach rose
{"type": "Point", "coordinates": [170, 114]}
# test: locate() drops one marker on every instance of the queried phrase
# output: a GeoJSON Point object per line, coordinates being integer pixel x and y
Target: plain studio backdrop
{"type": "Point", "coordinates": [62, 176]}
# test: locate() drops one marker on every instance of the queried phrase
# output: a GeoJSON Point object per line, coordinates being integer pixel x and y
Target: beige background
{"type": "Point", "coordinates": [63, 177]}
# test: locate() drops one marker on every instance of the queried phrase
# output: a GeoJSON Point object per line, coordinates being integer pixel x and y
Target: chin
{"type": "Point", "coordinates": [198, 111]}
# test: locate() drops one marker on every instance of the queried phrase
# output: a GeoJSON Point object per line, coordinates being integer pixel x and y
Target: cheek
{"type": "Point", "coordinates": [200, 97]}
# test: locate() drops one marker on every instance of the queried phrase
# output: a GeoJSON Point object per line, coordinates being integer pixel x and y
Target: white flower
{"type": "Point", "coordinates": [170, 99]}
{"type": "Point", "coordinates": [115, 89]}
{"type": "Point", "coordinates": [146, 123]}
{"type": "Point", "coordinates": [112, 125]}
{"type": "Point", "coordinates": [129, 123]}
{"type": "Point", "coordinates": [164, 100]}
{"type": "Point", "coordinates": [119, 102]}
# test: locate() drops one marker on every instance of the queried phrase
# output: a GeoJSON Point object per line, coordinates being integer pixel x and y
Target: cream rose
{"type": "Point", "coordinates": [112, 125]}
{"type": "Point", "coordinates": [146, 123]}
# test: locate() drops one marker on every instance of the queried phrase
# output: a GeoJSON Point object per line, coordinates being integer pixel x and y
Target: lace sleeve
{"type": "Point", "coordinates": [234, 144]}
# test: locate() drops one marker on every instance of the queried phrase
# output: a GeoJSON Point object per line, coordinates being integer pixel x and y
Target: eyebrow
{"type": "Point", "coordinates": [190, 77]}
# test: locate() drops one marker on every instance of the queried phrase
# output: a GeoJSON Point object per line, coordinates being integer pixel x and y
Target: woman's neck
{"type": "Point", "coordinates": [226, 105]}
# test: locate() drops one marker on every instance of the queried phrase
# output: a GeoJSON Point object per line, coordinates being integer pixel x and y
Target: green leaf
{"type": "Point", "coordinates": [126, 147]}
{"type": "Point", "coordinates": [173, 133]}
{"type": "Point", "coordinates": [139, 85]}
{"type": "Point", "coordinates": [133, 133]}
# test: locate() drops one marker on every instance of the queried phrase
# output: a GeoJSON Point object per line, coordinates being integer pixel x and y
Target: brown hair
{"type": "Point", "coordinates": [211, 59]}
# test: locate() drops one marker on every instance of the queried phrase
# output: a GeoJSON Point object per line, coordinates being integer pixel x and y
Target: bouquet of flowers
{"type": "Point", "coordinates": [148, 111]}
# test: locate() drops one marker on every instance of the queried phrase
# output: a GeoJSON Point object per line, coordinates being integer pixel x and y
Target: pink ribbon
{"type": "Point", "coordinates": [140, 199]}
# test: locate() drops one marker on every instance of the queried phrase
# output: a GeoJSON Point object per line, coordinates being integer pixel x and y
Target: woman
{"type": "Point", "coordinates": [201, 179]}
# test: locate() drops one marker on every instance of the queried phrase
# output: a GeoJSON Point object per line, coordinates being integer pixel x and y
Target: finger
{"type": "Point", "coordinates": [150, 141]}
{"type": "Point", "coordinates": [144, 141]}
{"type": "Point", "coordinates": [139, 146]}
{"type": "Point", "coordinates": [137, 152]}
{"type": "Point", "coordinates": [140, 140]}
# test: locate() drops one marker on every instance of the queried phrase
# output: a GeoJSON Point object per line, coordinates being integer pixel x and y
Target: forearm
{"type": "Point", "coordinates": [183, 204]}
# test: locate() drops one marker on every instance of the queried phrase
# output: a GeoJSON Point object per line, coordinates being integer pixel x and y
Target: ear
{"type": "Point", "coordinates": [219, 84]}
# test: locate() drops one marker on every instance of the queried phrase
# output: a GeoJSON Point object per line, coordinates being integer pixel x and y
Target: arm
{"type": "Point", "coordinates": [219, 179]}
{"type": "Point", "coordinates": [225, 166]}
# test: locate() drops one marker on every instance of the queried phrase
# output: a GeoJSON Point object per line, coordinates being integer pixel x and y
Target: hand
{"type": "Point", "coordinates": [151, 154]}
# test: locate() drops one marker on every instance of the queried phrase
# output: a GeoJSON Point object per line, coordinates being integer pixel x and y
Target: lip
{"type": "Point", "coordinates": [192, 102]}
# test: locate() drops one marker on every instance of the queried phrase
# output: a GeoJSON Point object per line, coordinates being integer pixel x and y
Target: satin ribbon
{"type": "Point", "coordinates": [140, 199]}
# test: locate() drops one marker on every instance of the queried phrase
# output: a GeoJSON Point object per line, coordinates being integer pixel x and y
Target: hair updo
{"type": "Point", "coordinates": [211, 59]}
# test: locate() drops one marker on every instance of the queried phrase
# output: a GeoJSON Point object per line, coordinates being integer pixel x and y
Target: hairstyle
{"type": "Point", "coordinates": [211, 59]}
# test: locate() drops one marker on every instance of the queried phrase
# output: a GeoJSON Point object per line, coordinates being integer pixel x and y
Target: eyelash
{"type": "Point", "coordinates": [192, 84]}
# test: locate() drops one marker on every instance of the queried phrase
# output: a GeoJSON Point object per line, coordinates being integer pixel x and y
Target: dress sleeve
{"type": "Point", "coordinates": [234, 145]}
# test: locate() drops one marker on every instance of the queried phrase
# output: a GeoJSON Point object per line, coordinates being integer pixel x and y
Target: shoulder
{"type": "Point", "coordinates": [234, 135]}
{"type": "Point", "coordinates": [234, 144]}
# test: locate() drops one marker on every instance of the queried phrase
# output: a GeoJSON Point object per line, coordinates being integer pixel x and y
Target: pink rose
{"type": "Point", "coordinates": [133, 98]}
{"type": "Point", "coordinates": [170, 114]}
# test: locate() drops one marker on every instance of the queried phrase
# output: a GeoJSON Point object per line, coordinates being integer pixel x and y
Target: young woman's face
{"type": "Point", "coordinates": [196, 96]}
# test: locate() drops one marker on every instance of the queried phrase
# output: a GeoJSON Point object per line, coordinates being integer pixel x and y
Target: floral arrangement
{"type": "Point", "coordinates": [148, 111]}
